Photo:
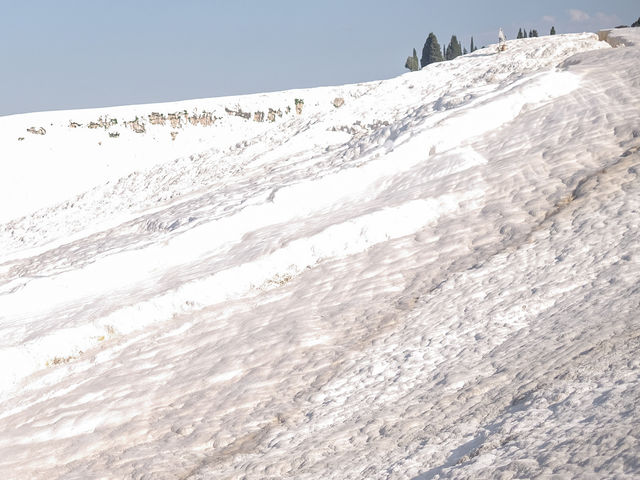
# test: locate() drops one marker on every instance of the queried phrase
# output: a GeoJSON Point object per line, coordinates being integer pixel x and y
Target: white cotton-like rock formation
{"type": "Point", "coordinates": [436, 278]}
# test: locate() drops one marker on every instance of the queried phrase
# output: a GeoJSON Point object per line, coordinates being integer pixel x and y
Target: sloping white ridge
{"type": "Point", "coordinates": [433, 276]}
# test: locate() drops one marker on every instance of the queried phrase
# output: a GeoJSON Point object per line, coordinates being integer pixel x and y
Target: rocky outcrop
{"type": "Point", "coordinates": [238, 112]}
{"type": "Point", "coordinates": [612, 39]}
{"type": "Point", "coordinates": [176, 119]}
{"type": "Point", "coordinates": [205, 119]}
{"type": "Point", "coordinates": [136, 125]}
{"type": "Point", "coordinates": [105, 123]}
{"type": "Point", "coordinates": [272, 114]}
{"type": "Point", "coordinates": [156, 118]}
{"type": "Point", "coordinates": [37, 131]}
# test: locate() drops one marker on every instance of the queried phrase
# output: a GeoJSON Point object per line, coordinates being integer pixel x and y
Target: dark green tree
{"type": "Point", "coordinates": [519, 33]}
{"type": "Point", "coordinates": [524, 33]}
{"type": "Point", "coordinates": [412, 62]}
{"type": "Point", "coordinates": [636, 23]}
{"type": "Point", "coordinates": [472, 46]}
{"type": "Point", "coordinates": [534, 33]}
{"type": "Point", "coordinates": [530, 34]}
{"type": "Point", "coordinates": [453, 49]}
{"type": "Point", "coordinates": [464, 51]}
{"type": "Point", "coordinates": [458, 46]}
{"type": "Point", "coordinates": [431, 51]}
{"type": "Point", "coordinates": [553, 31]}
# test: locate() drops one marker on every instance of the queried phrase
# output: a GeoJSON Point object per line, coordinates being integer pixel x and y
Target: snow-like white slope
{"type": "Point", "coordinates": [436, 279]}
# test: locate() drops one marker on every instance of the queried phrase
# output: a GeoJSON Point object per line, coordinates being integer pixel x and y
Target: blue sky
{"type": "Point", "coordinates": [68, 54]}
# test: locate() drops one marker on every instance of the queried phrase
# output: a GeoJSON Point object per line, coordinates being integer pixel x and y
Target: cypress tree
{"type": "Point", "coordinates": [553, 31]}
{"type": "Point", "coordinates": [524, 33]}
{"type": "Point", "coordinates": [534, 33]}
{"type": "Point", "coordinates": [519, 33]}
{"type": "Point", "coordinates": [412, 62]}
{"type": "Point", "coordinates": [431, 51]}
{"type": "Point", "coordinates": [464, 51]}
{"type": "Point", "coordinates": [530, 34]}
{"type": "Point", "coordinates": [471, 49]}
{"type": "Point", "coordinates": [457, 46]}
{"type": "Point", "coordinates": [636, 23]}
{"type": "Point", "coordinates": [453, 49]}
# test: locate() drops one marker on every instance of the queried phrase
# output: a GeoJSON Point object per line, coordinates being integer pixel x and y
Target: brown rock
{"type": "Point", "coordinates": [37, 131]}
